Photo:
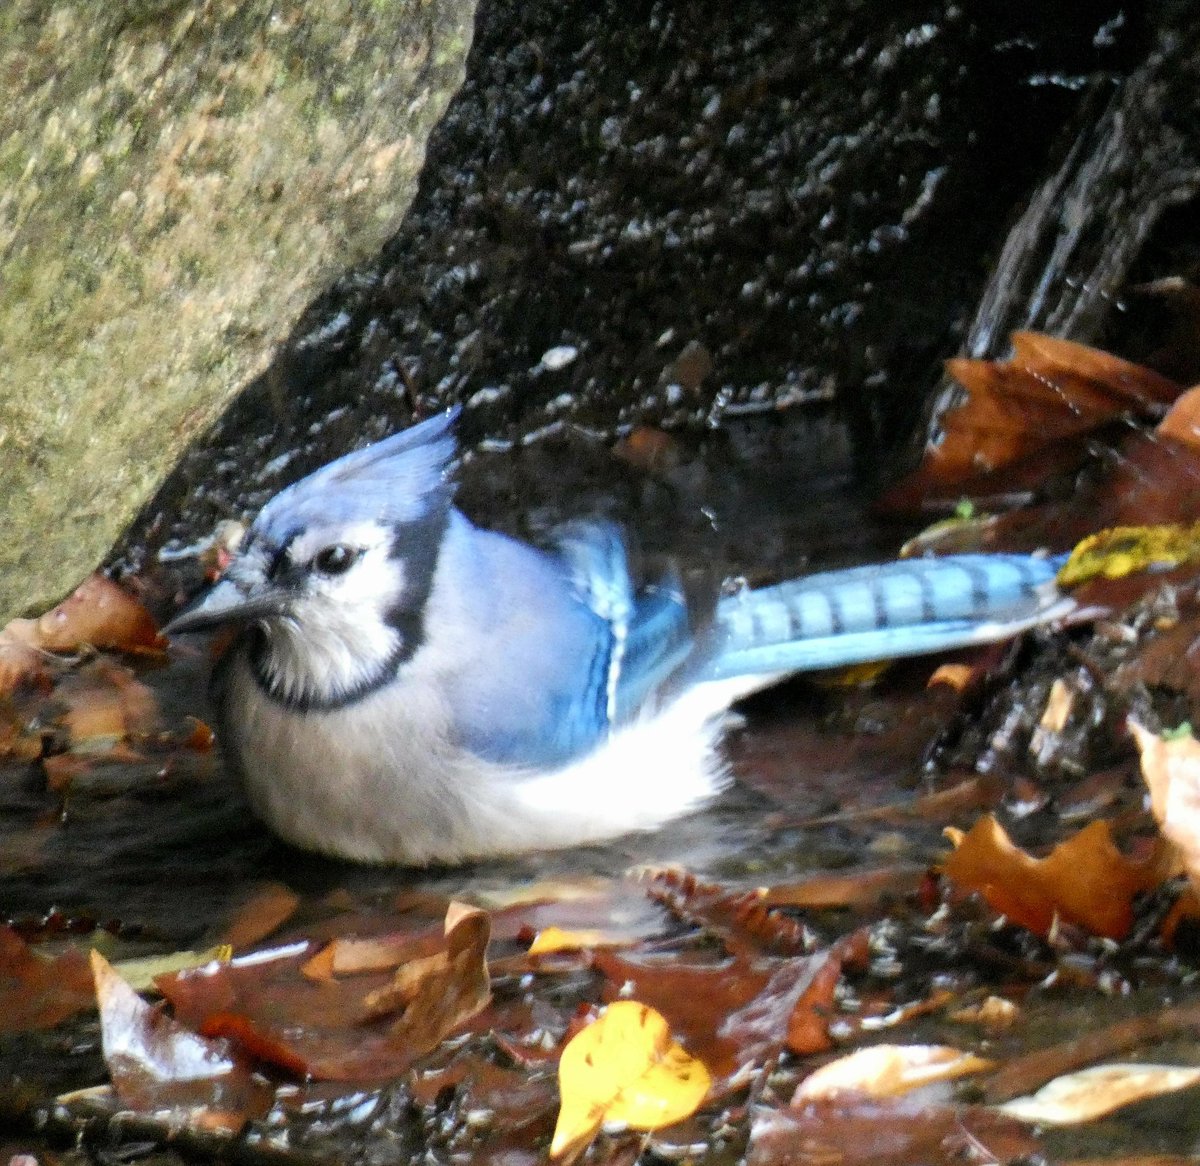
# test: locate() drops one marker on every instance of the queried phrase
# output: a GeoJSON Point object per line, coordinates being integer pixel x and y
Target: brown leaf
{"type": "Point", "coordinates": [742, 920]}
{"type": "Point", "coordinates": [339, 1028]}
{"type": "Point", "coordinates": [349, 955]}
{"type": "Point", "coordinates": [266, 1005]}
{"type": "Point", "coordinates": [158, 1065]}
{"type": "Point", "coordinates": [696, 998]}
{"type": "Point", "coordinates": [1029, 1072]}
{"type": "Point", "coordinates": [106, 704]}
{"type": "Point", "coordinates": [20, 663]}
{"type": "Point", "coordinates": [97, 614]}
{"type": "Point", "coordinates": [37, 992]}
{"type": "Point", "coordinates": [1095, 1092]}
{"type": "Point", "coordinates": [898, 1131]}
{"type": "Point", "coordinates": [858, 889]}
{"type": "Point", "coordinates": [1049, 393]}
{"type": "Point", "coordinates": [268, 909]}
{"type": "Point", "coordinates": [732, 1014]}
{"type": "Point", "coordinates": [444, 991]}
{"type": "Point", "coordinates": [1085, 880]}
{"type": "Point", "coordinates": [1182, 421]}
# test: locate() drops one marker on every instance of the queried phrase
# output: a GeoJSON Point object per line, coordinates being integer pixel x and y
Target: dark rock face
{"type": "Point", "coordinates": [686, 215]}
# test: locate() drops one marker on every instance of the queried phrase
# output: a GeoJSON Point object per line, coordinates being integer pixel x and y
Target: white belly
{"type": "Point", "coordinates": [379, 780]}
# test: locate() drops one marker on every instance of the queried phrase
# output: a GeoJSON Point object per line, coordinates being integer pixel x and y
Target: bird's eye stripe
{"type": "Point", "coordinates": [280, 557]}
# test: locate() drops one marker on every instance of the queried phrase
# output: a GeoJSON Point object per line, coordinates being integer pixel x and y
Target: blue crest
{"type": "Point", "coordinates": [402, 479]}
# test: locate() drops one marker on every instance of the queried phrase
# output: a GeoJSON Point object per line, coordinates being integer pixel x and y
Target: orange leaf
{"type": "Point", "coordinates": [20, 662]}
{"type": "Point", "coordinates": [37, 992]}
{"type": "Point", "coordinates": [1050, 392]}
{"type": "Point", "coordinates": [552, 938]}
{"type": "Point", "coordinates": [1085, 880]}
{"type": "Point", "coordinates": [267, 909]}
{"type": "Point", "coordinates": [441, 991]}
{"type": "Point", "coordinates": [98, 614]}
{"type": "Point", "coordinates": [1182, 421]}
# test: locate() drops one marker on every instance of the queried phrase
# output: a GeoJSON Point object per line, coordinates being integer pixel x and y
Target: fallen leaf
{"type": "Point", "coordinates": [362, 1027]}
{"type": "Point", "coordinates": [141, 973]}
{"type": "Point", "coordinates": [158, 1065]}
{"type": "Point", "coordinates": [442, 991]}
{"type": "Point", "coordinates": [1030, 1071]}
{"type": "Point", "coordinates": [809, 1017]}
{"type": "Point", "coordinates": [858, 1131]}
{"type": "Point", "coordinates": [40, 992]}
{"type": "Point", "coordinates": [733, 1013]}
{"type": "Point", "coordinates": [624, 1067]}
{"type": "Point", "coordinates": [993, 1012]}
{"type": "Point", "coordinates": [1182, 421]}
{"type": "Point", "coordinates": [263, 1002]}
{"type": "Point", "coordinates": [889, 1070]}
{"type": "Point", "coordinates": [696, 997]}
{"type": "Point", "coordinates": [350, 955]}
{"type": "Point", "coordinates": [552, 938]}
{"type": "Point", "coordinates": [859, 889]}
{"type": "Point", "coordinates": [268, 909]}
{"type": "Point", "coordinates": [1094, 1092]}
{"type": "Point", "coordinates": [649, 449]}
{"type": "Point", "coordinates": [1171, 769]}
{"type": "Point", "coordinates": [97, 614]}
{"type": "Point", "coordinates": [106, 704]}
{"type": "Point", "coordinates": [741, 920]}
{"type": "Point", "coordinates": [1124, 550]}
{"type": "Point", "coordinates": [1085, 880]}
{"type": "Point", "coordinates": [21, 663]}
{"type": "Point", "coordinates": [1049, 393]}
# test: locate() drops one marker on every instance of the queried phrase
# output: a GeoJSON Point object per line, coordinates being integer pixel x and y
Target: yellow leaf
{"type": "Point", "coordinates": [551, 939]}
{"type": "Point", "coordinates": [1122, 550]}
{"type": "Point", "coordinates": [1091, 1093]}
{"type": "Point", "coordinates": [889, 1070]}
{"type": "Point", "coordinates": [140, 973]}
{"type": "Point", "coordinates": [624, 1067]}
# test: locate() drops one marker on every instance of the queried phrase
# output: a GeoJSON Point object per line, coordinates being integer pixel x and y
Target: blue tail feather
{"type": "Point", "coordinates": [905, 608]}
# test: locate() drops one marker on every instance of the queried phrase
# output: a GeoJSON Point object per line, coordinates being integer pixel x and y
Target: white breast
{"type": "Point", "coordinates": [381, 780]}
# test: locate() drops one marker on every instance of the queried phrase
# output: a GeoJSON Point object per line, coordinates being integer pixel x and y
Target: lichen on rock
{"type": "Point", "coordinates": [178, 179]}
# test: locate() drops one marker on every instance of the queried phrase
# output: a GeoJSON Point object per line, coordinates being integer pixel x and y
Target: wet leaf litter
{"type": "Point", "coordinates": [1021, 845]}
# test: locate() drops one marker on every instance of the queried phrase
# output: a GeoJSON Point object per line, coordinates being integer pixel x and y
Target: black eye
{"type": "Point", "coordinates": [334, 560]}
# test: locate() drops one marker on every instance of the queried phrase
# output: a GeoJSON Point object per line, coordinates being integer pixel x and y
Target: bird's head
{"type": "Point", "coordinates": [334, 573]}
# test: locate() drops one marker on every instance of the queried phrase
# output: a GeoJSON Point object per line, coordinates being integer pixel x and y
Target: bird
{"type": "Point", "coordinates": [407, 687]}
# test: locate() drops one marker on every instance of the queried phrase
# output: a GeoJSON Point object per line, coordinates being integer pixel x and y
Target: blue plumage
{"type": "Point", "coordinates": [411, 688]}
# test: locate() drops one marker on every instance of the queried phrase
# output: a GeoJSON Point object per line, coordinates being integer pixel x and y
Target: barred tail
{"type": "Point", "coordinates": [904, 608]}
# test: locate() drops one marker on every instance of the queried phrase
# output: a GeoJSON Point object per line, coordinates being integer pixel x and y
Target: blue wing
{"type": "Point", "coordinates": [568, 648]}
{"type": "Point", "coordinates": [565, 647]}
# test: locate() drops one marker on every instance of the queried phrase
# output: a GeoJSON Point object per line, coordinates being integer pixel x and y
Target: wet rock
{"type": "Point", "coordinates": [809, 197]}
{"type": "Point", "coordinates": [179, 180]}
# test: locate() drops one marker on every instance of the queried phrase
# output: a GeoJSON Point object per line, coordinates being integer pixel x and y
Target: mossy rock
{"type": "Point", "coordinates": [178, 179]}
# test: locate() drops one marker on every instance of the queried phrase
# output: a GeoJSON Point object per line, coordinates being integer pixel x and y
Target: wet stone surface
{"type": "Point", "coordinates": [676, 214]}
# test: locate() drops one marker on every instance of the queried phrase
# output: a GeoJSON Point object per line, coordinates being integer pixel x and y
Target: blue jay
{"type": "Point", "coordinates": [410, 688]}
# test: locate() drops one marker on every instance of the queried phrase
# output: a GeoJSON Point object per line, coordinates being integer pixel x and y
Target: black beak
{"type": "Point", "coordinates": [224, 603]}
